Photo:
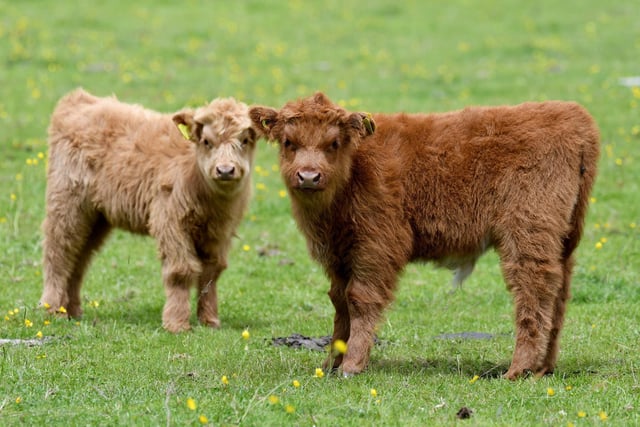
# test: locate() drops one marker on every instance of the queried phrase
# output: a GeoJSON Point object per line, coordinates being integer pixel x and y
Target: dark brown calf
{"type": "Point", "coordinates": [371, 193]}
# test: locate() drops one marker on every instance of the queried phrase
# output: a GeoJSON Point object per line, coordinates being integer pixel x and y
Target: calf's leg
{"type": "Point", "coordinates": [207, 293]}
{"type": "Point", "coordinates": [99, 233]}
{"type": "Point", "coordinates": [71, 235]}
{"type": "Point", "coordinates": [365, 301]}
{"type": "Point", "coordinates": [341, 321]}
{"type": "Point", "coordinates": [549, 362]}
{"type": "Point", "coordinates": [536, 286]}
{"type": "Point", "coordinates": [181, 267]}
{"type": "Point", "coordinates": [178, 277]}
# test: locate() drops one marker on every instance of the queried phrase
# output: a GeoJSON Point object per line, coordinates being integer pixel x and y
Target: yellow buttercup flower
{"type": "Point", "coordinates": [374, 392]}
{"type": "Point", "coordinates": [340, 346]}
{"type": "Point", "coordinates": [245, 334]}
{"type": "Point", "coordinates": [203, 419]}
{"type": "Point", "coordinates": [550, 391]}
{"type": "Point", "coordinates": [191, 404]}
{"type": "Point", "coordinates": [296, 383]}
{"type": "Point", "coordinates": [319, 373]}
{"type": "Point", "coordinates": [274, 400]}
{"type": "Point", "coordinates": [289, 409]}
{"type": "Point", "coordinates": [224, 380]}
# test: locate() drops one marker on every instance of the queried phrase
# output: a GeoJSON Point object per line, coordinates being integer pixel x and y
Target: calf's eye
{"type": "Point", "coordinates": [335, 145]}
{"type": "Point", "coordinates": [206, 142]}
{"type": "Point", "coordinates": [287, 143]}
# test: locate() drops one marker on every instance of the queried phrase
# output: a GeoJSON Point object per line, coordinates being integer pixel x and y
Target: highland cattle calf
{"type": "Point", "coordinates": [113, 164]}
{"type": "Point", "coordinates": [372, 193]}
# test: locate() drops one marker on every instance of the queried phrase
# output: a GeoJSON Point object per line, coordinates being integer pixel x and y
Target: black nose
{"type": "Point", "coordinates": [308, 179]}
{"type": "Point", "coordinates": [225, 171]}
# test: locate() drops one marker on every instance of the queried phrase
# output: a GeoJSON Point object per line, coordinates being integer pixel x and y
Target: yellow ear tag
{"type": "Point", "coordinates": [368, 124]}
{"type": "Point", "coordinates": [184, 130]}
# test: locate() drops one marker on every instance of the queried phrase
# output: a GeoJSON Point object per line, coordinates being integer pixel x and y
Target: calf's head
{"type": "Point", "coordinates": [317, 139]}
{"type": "Point", "coordinates": [225, 137]}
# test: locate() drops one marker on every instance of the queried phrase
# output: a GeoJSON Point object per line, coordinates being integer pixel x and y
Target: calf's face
{"type": "Point", "coordinates": [225, 141]}
{"type": "Point", "coordinates": [317, 140]}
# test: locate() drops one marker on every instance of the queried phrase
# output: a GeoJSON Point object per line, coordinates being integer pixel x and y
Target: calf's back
{"type": "Point", "coordinates": [467, 175]}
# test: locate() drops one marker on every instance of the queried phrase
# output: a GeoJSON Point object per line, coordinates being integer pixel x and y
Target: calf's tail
{"type": "Point", "coordinates": [588, 170]}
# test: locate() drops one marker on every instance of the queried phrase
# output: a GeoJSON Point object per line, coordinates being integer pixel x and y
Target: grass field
{"type": "Point", "coordinates": [117, 366]}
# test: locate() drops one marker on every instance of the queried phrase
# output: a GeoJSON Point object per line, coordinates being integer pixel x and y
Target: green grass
{"type": "Point", "coordinates": [118, 367]}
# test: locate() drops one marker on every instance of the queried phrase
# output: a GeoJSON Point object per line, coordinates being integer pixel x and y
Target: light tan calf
{"type": "Point", "coordinates": [113, 164]}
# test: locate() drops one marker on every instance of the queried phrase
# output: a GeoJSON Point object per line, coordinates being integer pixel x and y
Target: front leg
{"type": "Point", "coordinates": [178, 278]}
{"type": "Point", "coordinates": [341, 322]}
{"type": "Point", "coordinates": [181, 267]}
{"type": "Point", "coordinates": [366, 300]}
{"type": "Point", "coordinates": [207, 293]}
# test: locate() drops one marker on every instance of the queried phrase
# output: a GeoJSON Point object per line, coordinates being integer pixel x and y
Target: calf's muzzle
{"type": "Point", "coordinates": [308, 180]}
{"type": "Point", "coordinates": [225, 172]}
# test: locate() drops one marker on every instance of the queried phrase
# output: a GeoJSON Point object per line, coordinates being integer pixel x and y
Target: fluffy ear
{"type": "Point", "coordinates": [362, 123]}
{"type": "Point", "coordinates": [322, 99]}
{"type": "Point", "coordinates": [188, 127]}
{"type": "Point", "coordinates": [264, 119]}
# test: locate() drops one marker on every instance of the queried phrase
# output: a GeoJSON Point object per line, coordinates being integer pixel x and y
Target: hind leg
{"type": "Point", "coordinates": [535, 285]}
{"type": "Point", "coordinates": [534, 274]}
{"type": "Point", "coordinates": [549, 362]}
{"type": "Point", "coordinates": [99, 233]}
{"type": "Point", "coordinates": [67, 229]}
